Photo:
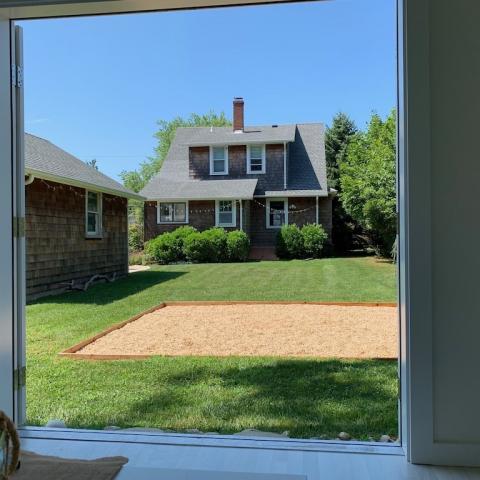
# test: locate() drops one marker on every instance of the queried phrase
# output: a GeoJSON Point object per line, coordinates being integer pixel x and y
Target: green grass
{"type": "Point", "coordinates": [308, 397]}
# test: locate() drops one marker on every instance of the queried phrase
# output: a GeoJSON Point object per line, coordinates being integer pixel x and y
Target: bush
{"type": "Point", "coordinates": [136, 258]}
{"type": "Point", "coordinates": [197, 248]}
{"type": "Point", "coordinates": [163, 249]}
{"type": "Point", "coordinates": [217, 237]}
{"type": "Point", "coordinates": [314, 239]}
{"type": "Point", "coordinates": [179, 235]}
{"type": "Point", "coordinates": [290, 242]}
{"type": "Point", "coordinates": [135, 238]}
{"type": "Point", "coordinates": [238, 246]}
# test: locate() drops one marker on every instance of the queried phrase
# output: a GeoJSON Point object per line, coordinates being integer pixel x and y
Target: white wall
{"type": "Point", "coordinates": [455, 151]}
{"type": "Point", "coordinates": [443, 130]}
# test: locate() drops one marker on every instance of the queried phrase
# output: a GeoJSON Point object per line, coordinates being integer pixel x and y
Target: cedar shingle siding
{"type": "Point", "coordinates": [56, 246]}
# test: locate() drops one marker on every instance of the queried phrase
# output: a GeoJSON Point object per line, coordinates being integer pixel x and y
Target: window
{"type": "Point", "coordinates": [93, 216]}
{"type": "Point", "coordinates": [172, 212]}
{"type": "Point", "coordinates": [277, 213]}
{"type": "Point", "coordinates": [218, 160]}
{"type": "Point", "coordinates": [256, 159]}
{"type": "Point", "coordinates": [225, 213]}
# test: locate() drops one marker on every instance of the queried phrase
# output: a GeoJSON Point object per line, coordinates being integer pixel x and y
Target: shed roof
{"type": "Point", "coordinates": [45, 160]}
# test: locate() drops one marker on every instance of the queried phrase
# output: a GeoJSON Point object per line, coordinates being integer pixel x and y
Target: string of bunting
{"type": "Point", "coordinates": [75, 191]}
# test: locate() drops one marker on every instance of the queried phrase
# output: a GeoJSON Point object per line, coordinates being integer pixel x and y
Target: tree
{"type": "Point", "coordinates": [368, 181]}
{"type": "Point", "coordinates": [337, 139]}
{"type": "Point", "coordinates": [92, 163]}
{"type": "Point", "coordinates": [136, 179]}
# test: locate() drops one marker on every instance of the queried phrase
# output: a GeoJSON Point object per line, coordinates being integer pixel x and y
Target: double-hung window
{"type": "Point", "coordinates": [93, 214]}
{"type": "Point", "coordinates": [256, 159]}
{"type": "Point", "coordinates": [277, 213]}
{"type": "Point", "coordinates": [219, 160]}
{"type": "Point", "coordinates": [225, 213]}
{"type": "Point", "coordinates": [172, 212]}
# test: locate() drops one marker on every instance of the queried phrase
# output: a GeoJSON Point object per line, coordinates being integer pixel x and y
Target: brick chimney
{"type": "Point", "coordinates": [238, 123]}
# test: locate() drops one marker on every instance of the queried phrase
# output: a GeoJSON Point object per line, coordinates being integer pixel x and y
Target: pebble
{"type": "Point", "coordinates": [253, 432]}
{"type": "Point", "coordinates": [385, 438]}
{"type": "Point", "coordinates": [344, 436]}
{"type": "Point", "coordinates": [56, 424]}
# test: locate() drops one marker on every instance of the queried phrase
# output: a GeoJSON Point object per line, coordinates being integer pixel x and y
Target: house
{"type": "Point", "coordinates": [254, 179]}
{"type": "Point", "coordinates": [76, 220]}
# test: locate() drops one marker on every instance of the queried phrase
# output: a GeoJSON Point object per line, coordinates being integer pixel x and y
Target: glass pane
{"type": "Point", "coordinates": [256, 151]}
{"type": "Point", "coordinates": [92, 202]}
{"type": "Point", "coordinates": [277, 214]}
{"type": "Point", "coordinates": [179, 212]}
{"type": "Point", "coordinates": [166, 212]}
{"type": "Point", "coordinates": [219, 166]}
{"type": "Point", "coordinates": [218, 153]}
{"type": "Point", "coordinates": [225, 218]}
{"type": "Point", "coordinates": [225, 206]}
{"type": "Point", "coordinates": [92, 223]}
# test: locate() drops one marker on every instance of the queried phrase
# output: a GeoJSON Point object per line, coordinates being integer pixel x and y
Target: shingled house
{"type": "Point", "coordinates": [76, 220]}
{"type": "Point", "coordinates": [251, 178]}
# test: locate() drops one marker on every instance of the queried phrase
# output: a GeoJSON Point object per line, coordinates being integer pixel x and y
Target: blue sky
{"type": "Point", "coordinates": [96, 86]}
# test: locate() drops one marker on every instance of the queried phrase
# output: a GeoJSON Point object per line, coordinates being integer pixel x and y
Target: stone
{"type": "Point", "coordinates": [143, 429]}
{"type": "Point", "coordinates": [212, 433]}
{"type": "Point", "coordinates": [55, 423]}
{"type": "Point", "coordinates": [344, 436]}
{"type": "Point", "coordinates": [385, 438]}
{"type": "Point", "coordinates": [112, 427]}
{"type": "Point", "coordinates": [195, 431]}
{"type": "Point", "coordinates": [253, 432]}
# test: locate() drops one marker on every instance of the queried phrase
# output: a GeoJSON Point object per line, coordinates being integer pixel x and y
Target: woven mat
{"type": "Point", "coordinates": [39, 467]}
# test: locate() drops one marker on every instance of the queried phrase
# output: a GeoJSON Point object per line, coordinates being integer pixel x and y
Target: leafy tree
{"type": "Point", "coordinates": [136, 179]}
{"type": "Point", "coordinates": [337, 138]}
{"type": "Point", "coordinates": [367, 180]}
{"type": "Point", "coordinates": [92, 163]}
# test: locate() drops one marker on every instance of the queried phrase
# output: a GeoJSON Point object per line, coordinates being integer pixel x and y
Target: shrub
{"type": "Point", "coordinates": [314, 239]}
{"type": "Point", "coordinates": [197, 248]}
{"type": "Point", "coordinates": [163, 249]}
{"type": "Point", "coordinates": [136, 258]}
{"type": "Point", "coordinates": [238, 246]}
{"type": "Point", "coordinates": [179, 235]}
{"type": "Point", "coordinates": [290, 242]}
{"type": "Point", "coordinates": [217, 237]}
{"type": "Point", "coordinates": [135, 237]}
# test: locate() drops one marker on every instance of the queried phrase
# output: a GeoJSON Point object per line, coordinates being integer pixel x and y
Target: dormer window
{"type": "Point", "coordinates": [255, 158]}
{"type": "Point", "coordinates": [219, 160]}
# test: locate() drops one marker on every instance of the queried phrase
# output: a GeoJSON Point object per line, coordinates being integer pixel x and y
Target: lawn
{"type": "Point", "coordinates": [307, 397]}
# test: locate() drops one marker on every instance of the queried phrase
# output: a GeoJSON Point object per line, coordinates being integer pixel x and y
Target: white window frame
{"type": "Point", "coordinates": [249, 160]}
{"type": "Point", "coordinates": [418, 65]}
{"type": "Point", "coordinates": [171, 202]}
{"type": "Point", "coordinates": [217, 213]}
{"type": "Point", "coordinates": [267, 211]}
{"type": "Point", "coordinates": [99, 232]}
{"type": "Point", "coordinates": [225, 149]}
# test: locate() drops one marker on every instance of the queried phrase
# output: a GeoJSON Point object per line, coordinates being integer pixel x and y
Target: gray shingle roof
{"type": "Point", "coordinates": [307, 173]}
{"type": "Point", "coordinates": [204, 190]}
{"type": "Point", "coordinates": [45, 160]}
{"type": "Point", "coordinates": [202, 136]}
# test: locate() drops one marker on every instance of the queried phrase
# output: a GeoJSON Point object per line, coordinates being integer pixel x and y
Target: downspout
{"type": "Point", "coordinates": [316, 209]}
{"type": "Point", "coordinates": [241, 215]}
{"type": "Point", "coordinates": [29, 179]}
{"type": "Point", "coordinates": [284, 165]}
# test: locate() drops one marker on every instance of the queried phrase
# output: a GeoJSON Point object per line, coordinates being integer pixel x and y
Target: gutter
{"type": "Point", "coordinates": [29, 180]}
{"type": "Point", "coordinates": [78, 183]}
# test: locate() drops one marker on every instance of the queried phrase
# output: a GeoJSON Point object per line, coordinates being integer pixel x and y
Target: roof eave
{"type": "Point", "coordinates": [193, 198]}
{"type": "Point", "coordinates": [78, 183]}
{"type": "Point", "coordinates": [242, 141]}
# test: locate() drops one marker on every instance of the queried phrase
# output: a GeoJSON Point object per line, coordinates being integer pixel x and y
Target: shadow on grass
{"type": "Point", "coordinates": [306, 397]}
{"type": "Point", "coordinates": [105, 293]}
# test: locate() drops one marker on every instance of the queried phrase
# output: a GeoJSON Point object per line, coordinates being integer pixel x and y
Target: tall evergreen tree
{"type": "Point", "coordinates": [337, 139]}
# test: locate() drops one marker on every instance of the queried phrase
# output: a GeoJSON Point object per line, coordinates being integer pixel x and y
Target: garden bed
{"type": "Point", "coordinates": [280, 329]}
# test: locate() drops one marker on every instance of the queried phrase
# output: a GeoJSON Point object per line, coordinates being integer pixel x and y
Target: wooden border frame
{"type": "Point", "coordinates": [72, 351]}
